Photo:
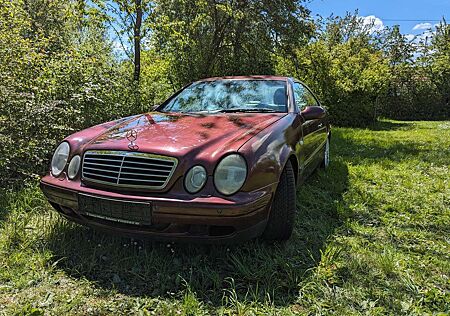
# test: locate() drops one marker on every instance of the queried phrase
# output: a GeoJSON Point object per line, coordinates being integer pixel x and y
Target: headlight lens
{"type": "Point", "coordinates": [230, 174]}
{"type": "Point", "coordinates": [195, 179]}
{"type": "Point", "coordinates": [59, 159]}
{"type": "Point", "coordinates": [74, 165]}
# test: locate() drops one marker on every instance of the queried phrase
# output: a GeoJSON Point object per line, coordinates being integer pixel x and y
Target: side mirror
{"type": "Point", "coordinates": [313, 113]}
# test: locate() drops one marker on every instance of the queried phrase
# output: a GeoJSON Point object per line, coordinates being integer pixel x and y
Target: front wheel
{"type": "Point", "coordinates": [282, 215]}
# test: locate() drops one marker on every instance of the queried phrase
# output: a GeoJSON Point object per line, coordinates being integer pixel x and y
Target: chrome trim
{"type": "Point", "coordinates": [134, 173]}
{"type": "Point", "coordinates": [147, 164]}
{"type": "Point", "coordinates": [134, 168]}
{"type": "Point", "coordinates": [104, 159]}
{"type": "Point", "coordinates": [128, 153]}
{"type": "Point", "coordinates": [141, 180]}
{"type": "Point", "coordinates": [103, 170]}
{"type": "Point", "coordinates": [92, 165]}
{"type": "Point", "coordinates": [120, 169]}
{"type": "Point", "coordinates": [124, 172]}
{"type": "Point", "coordinates": [102, 164]}
{"type": "Point", "coordinates": [101, 176]}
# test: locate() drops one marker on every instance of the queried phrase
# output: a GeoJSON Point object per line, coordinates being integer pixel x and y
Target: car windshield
{"type": "Point", "coordinates": [230, 96]}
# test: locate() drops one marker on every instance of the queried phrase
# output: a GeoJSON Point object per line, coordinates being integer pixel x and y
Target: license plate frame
{"type": "Point", "coordinates": [116, 210]}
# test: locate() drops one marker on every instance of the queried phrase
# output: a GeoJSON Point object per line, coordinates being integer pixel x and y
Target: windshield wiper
{"type": "Point", "coordinates": [232, 110]}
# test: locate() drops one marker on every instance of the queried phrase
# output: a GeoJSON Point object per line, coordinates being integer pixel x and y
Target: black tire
{"type": "Point", "coordinates": [282, 215]}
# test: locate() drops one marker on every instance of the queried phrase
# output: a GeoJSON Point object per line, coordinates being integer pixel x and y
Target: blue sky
{"type": "Point", "coordinates": [389, 12]}
{"type": "Point", "coordinates": [424, 13]}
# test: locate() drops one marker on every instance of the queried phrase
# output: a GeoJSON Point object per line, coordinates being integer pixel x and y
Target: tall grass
{"type": "Point", "coordinates": [371, 236]}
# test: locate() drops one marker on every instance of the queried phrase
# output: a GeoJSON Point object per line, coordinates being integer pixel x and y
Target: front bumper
{"type": "Point", "coordinates": [204, 219]}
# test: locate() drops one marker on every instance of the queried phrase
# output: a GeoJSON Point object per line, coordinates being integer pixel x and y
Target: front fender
{"type": "Point", "coordinates": [268, 152]}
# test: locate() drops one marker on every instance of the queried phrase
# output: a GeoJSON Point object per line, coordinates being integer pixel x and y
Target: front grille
{"type": "Point", "coordinates": [128, 169]}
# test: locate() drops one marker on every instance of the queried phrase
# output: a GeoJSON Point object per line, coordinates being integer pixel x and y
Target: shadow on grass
{"type": "Point", "coordinates": [253, 271]}
{"type": "Point", "coordinates": [384, 125]}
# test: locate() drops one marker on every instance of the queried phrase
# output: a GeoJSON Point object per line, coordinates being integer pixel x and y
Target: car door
{"type": "Point", "coordinates": [313, 131]}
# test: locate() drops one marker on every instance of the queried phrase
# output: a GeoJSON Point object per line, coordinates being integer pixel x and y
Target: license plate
{"type": "Point", "coordinates": [129, 212]}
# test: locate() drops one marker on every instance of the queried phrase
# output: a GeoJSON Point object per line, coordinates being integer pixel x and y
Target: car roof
{"type": "Point", "coordinates": [251, 77]}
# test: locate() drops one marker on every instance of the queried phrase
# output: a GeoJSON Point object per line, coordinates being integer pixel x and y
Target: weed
{"type": "Point", "coordinates": [371, 237]}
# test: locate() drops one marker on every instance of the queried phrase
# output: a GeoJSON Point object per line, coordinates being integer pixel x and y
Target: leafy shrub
{"type": "Point", "coordinates": [59, 74]}
{"type": "Point", "coordinates": [51, 85]}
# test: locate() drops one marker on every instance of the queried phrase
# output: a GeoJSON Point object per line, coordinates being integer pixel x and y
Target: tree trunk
{"type": "Point", "coordinates": [137, 53]}
{"type": "Point", "coordinates": [137, 41]}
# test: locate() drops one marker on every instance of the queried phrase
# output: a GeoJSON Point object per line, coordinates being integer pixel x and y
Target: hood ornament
{"type": "Point", "coordinates": [132, 136]}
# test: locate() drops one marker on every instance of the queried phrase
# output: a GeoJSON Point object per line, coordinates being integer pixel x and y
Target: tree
{"type": "Point", "coordinates": [440, 65]}
{"type": "Point", "coordinates": [216, 37]}
{"type": "Point", "coordinates": [57, 75]}
{"type": "Point", "coordinates": [344, 67]}
{"type": "Point", "coordinates": [127, 19]}
{"type": "Point", "coordinates": [396, 47]}
{"type": "Point", "coordinates": [415, 86]}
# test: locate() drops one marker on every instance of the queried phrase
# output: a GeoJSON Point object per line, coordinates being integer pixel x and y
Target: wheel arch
{"type": "Point", "coordinates": [294, 163]}
{"type": "Point", "coordinates": [288, 155]}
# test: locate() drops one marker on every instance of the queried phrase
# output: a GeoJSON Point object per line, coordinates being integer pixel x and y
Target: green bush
{"type": "Point", "coordinates": [59, 72]}
{"type": "Point", "coordinates": [52, 84]}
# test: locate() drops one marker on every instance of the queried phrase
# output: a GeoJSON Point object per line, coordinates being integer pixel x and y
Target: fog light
{"type": "Point", "coordinates": [195, 179]}
{"type": "Point", "coordinates": [74, 166]}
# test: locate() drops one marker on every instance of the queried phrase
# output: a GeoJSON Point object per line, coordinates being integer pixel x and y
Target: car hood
{"type": "Point", "coordinates": [179, 135]}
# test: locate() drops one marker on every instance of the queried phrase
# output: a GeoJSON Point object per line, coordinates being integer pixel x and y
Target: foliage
{"type": "Point", "coordinates": [121, 17]}
{"type": "Point", "coordinates": [372, 232]}
{"type": "Point", "coordinates": [61, 72]}
{"type": "Point", "coordinates": [52, 82]}
{"type": "Point", "coordinates": [360, 74]}
{"type": "Point", "coordinates": [343, 67]}
{"type": "Point", "coordinates": [371, 237]}
{"type": "Point", "coordinates": [156, 81]}
{"type": "Point", "coordinates": [202, 38]}
{"type": "Point", "coordinates": [418, 86]}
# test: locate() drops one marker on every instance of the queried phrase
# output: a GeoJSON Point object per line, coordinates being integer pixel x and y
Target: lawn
{"type": "Point", "coordinates": [372, 236]}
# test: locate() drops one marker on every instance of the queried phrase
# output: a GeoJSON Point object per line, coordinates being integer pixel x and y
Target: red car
{"type": "Point", "coordinates": [218, 161]}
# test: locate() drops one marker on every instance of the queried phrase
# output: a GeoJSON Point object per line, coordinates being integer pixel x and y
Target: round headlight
{"type": "Point", "coordinates": [59, 159]}
{"type": "Point", "coordinates": [195, 179]}
{"type": "Point", "coordinates": [230, 174]}
{"type": "Point", "coordinates": [74, 165]}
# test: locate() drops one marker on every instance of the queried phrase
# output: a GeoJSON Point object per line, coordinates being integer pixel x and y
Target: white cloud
{"type": "Point", "coordinates": [119, 50]}
{"type": "Point", "coordinates": [422, 26]}
{"type": "Point", "coordinates": [410, 37]}
{"type": "Point", "coordinates": [422, 38]}
{"type": "Point", "coordinates": [375, 24]}
{"type": "Point", "coordinates": [425, 36]}
{"type": "Point", "coordinates": [117, 46]}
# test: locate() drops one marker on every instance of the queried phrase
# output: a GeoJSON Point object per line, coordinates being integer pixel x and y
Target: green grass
{"type": "Point", "coordinates": [372, 237]}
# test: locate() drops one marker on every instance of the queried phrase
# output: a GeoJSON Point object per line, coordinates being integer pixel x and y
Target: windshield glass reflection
{"type": "Point", "coordinates": [231, 96]}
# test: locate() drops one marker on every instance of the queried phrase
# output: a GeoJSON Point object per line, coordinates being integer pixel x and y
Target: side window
{"type": "Point", "coordinates": [303, 97]}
